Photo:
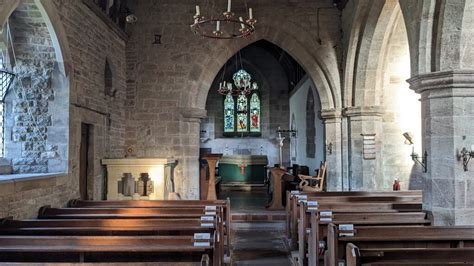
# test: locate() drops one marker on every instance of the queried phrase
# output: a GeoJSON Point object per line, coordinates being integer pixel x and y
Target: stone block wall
{"type": "Point", "coordinates": [66, 81]}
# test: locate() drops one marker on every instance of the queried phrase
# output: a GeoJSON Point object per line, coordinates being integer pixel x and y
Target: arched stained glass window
{"type": "Point", "coordinates": [242, 113]}
{"type": "Point", "coordinates": [254, 113]}
{"type": "Point", "coordinates": [229, 110]}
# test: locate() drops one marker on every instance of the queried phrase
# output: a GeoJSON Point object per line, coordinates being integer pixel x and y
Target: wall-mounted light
{"type": "Point", "coordinates": [466, 156]}
{"type": "Point", "coordinates": [414, 156]}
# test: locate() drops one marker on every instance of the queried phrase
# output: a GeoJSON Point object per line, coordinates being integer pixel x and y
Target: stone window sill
{"type": "Point", "coordinates": [28, 177]}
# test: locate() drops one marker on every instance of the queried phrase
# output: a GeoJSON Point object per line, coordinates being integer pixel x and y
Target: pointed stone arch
{"type": "Point", "coordinates": [323, 71]}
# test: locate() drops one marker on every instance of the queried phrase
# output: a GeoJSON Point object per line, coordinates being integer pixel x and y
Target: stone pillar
{"type": "Point", "coordinates": [447, 101]}
{"type": "Point", "coordinates": [333, 149]}
{"type": "Point", "coordinates": [187, 175]}
{"type": "Point", "coordinates": [364, 171]}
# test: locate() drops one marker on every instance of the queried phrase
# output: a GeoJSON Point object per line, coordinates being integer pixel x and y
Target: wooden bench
{"type": "Point", "coordinates": [98, 227]}
{"type": "Point", "coordinates": [47, 212]}
{"type": "Point", "coordinates": [367, 237]}
{"type": "Point", "coordinates": [305, 210]}
{"type": "Point", "coordinates": [224, 204]}
{"type": "Point", "coordinates": [106, 249]}
{"type": "Point", "coordinates": [407, 256]}
{"type": "Point", "coordinates": [317, 234]}
{"type": "Point", "coordinates": [292, 212]}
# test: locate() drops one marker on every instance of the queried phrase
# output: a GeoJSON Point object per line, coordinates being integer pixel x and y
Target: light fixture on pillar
{"type": "Point", "coordinates": [225, 26]}
{"type": "Point", "coordinates": [466, 156]}
{"type": "Point", "coordinates": [414, 156]}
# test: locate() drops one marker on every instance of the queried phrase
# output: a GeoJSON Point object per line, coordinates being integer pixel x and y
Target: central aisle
{"type": "Point", "coordinates": [260, 243]}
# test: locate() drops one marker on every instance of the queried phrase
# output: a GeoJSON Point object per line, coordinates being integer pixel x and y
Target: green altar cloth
{"type": "Point", "coordinates": [230, 168]}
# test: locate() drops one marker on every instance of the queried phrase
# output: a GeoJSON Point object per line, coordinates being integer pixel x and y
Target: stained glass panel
{"type": "Point", "coordinates": [254, 113]}
{"type": "Point", "coordinates": [229, 114]}
{"type": "Point", "coordinates": [242, 113]}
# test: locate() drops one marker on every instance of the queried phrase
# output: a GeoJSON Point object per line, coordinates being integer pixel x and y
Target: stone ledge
{"type": "Point", "coordinates": [28, 177]}
{"type": "Point", "coordinates": [16, 183]}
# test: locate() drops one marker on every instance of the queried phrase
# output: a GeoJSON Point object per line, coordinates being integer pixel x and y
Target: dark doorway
{"type": "Point", "coordinates": [84, 160]}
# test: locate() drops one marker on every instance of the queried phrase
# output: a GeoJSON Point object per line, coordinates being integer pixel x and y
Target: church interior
{"type": "Point", "coordinates": [237, 132]}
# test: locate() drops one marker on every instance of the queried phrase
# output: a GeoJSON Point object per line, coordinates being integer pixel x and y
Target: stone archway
{"type": "Point", "coordinates": [323, 72]}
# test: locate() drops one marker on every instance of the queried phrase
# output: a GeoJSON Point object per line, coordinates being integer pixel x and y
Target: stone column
{"type": "Point", "coordinates": [187, 173]}
{"type": "Point", "coordinates": [333, 149]}
{"type": "Point", "coordinates": [364, 171]}
{"type": "Point", "coordinates": [447, 100]}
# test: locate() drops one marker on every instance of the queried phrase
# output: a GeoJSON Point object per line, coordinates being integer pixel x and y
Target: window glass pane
{"type": "Point", "coordinates": [229, 114]}
{"type": "Point", "coordinates": [242, 110]}
{"type": "Point", "coordinates": [254, 113]}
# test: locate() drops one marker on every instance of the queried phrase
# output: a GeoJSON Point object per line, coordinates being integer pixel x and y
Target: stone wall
{"type": "Point", "coordinates": [80, 42]}
{"type": "Point", "coordinates": [30, 135]}
{"type": "Point", "coordinates": [299, 144]}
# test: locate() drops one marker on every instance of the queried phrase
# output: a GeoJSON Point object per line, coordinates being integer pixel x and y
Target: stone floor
{"type": "Point", "coordinates": [246, 200]}
{"type": "Point", "coordinates": [260, 243]}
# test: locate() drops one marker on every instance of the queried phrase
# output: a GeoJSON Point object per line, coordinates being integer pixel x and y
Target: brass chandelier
{"type": "Point", "coordinates": [225, 26]}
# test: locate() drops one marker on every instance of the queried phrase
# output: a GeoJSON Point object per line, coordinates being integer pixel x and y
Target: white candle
{"type": "Point", "coordinates": [218, 26]}
{"type": "Point", "coordinates": [472, 147]}
{"type": "Point", "coordinates": [198, 12]}
{"type": "Point", "coordinates": [242, 25]}
{"type": "Point", "coordinates": [229, 3]}
{"type": "Point", "coordinates": [250, 13]}
{"type": "Point", "coordinates": [220, 85]}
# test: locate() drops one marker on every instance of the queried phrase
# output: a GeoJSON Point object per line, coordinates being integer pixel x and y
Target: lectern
{"type": "Point", "coordinates": [212, 159]}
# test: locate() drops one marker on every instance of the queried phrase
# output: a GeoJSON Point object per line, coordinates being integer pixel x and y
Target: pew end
{"type": "Point", "coordinates": [5, 219]}
{"type": "Point", "coordinates": [352, 255]}
{"type": "Point", "coordinates": [43, 209]}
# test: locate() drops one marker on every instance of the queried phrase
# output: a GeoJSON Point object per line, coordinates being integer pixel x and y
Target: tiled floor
{"type": "Point", "coordinates": [260, 244]}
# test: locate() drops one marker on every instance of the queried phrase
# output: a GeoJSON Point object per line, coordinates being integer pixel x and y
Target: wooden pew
{"type": "Point", "coordinates": [318, 225]}
{"type": "Point", "coordinates": [396, 237]}
{"type": "Point", "coordinates": [98, 227]}
{"type": "Point", "coordinates": [407, 256]}
{"type": "Point", "coordinates": [47, 212]}
{"type": "Point", "coordinates": [224, 204]}
{"type": "Point", "coordinates": [342, 207]}
{"type": "Point", "coordinates": [292, 212]}
{"type": "Point", "coordinates": [106, 249]}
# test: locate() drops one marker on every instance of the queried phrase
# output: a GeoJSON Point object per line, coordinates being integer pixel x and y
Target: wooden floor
{"type": "Point", "coordinates": [260, 243]}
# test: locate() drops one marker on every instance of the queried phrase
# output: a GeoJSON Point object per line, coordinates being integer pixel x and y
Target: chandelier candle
{"type": "Point", "coordinates": [242, 25]}
{"type": "Point", "coordinates": [250, 13]}
{"type": "Point", "coordinates": [229, 3]}
{"type": "Point", "coordinates": [218, 26]}
{"type": "Point", "coordinates": [198, 11]}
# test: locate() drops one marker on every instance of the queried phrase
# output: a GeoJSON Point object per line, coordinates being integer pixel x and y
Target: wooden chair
{"type": "Point", "coordinates": [314, 183]}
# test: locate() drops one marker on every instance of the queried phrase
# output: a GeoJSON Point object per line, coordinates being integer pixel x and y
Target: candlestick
{"type": "Point", "coordinates": [242, 25]}
{"type": "Point", "coordinates": [250, 13]}
{"type": "Point", "coordinates": [229, 3]}
{"type": "Point", "coordinates": [198, 11]}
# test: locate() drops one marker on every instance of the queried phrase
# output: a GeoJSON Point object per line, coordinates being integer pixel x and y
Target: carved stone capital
{"type": "Point", "coordinates": [331, 115]}
{"type": "Point", "coordinates": [444, 84]}
{"type": "Point", "coordinates": [363, 111]}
